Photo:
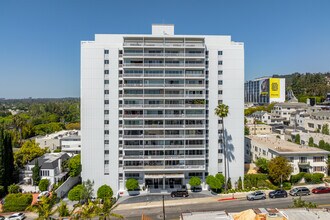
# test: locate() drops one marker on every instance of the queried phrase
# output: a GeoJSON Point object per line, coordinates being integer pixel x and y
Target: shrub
{"type": "Point", "coordinates": [308, 177]}
{"type": "Point", "coordinates": [287, 186]}
{"type": "Point", "coordinates": [74, 166]}
{"type": "Point", "coordinates": [317, 177]}
{"type": "Point", "coordinates": [255, 180]}
{"type": "Point", "coordinates": [195, 181]}
{"type": "Point", "coordinates": [132, 184]}
{"type": "Point", "coordinates": [13, 188]}
{"type": "Point", "coordinates": [17, 202]}
{"type": "Point", "coordinates": [215, 183]}
{"type": "Point", "coordinates": [239, 184]}
{"type": "Point", "coordinates": [75, 194]}
{"type": "Point", "coordinates": [296, 178]}
{"type": "Point", "coordinates": [43, 185]}
{"type": "Point", "coordinates": [104, 192]}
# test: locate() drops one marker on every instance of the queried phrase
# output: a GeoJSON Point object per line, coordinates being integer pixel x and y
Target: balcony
{"type": "Point", "coordinates": [304, 164]}
{"type": "Point", "coordinates": [167, 167]}
{"type": "Point", "coordinates": [199, 65]}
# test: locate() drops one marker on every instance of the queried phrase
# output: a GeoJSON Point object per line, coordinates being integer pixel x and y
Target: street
{"type": "Point", "coordinates": [173, 212]}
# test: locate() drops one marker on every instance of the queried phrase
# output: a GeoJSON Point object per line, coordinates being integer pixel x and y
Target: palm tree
{"type": "Point", "coordinates": [222, 112]}
{"type": "Point", "coordinates": [19, 122]}
{"type": "Point", "coordinates": [44, 208]}
{"type": "Point", "coordinates": [63, 210]}
{"type": "Point", "coordinates": [107, 208]}
{"type": "Point", "coordinates": [87, 211]}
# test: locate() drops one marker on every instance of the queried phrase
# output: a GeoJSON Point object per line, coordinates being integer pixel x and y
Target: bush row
{"type": "Point", "coordinates": [312, 178]}
{"type": "Point", "coordinates": [17, 202]}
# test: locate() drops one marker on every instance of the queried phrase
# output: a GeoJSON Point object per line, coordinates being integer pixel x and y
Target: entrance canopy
{"type": "Point", "coordinates": [167, 176]}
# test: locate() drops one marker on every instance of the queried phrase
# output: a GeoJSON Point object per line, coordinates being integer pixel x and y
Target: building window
{"type": "Point", "coordinates": [220, 72]}
{"type": "Point", "coordinates": [106, 141]}
{"type": "Point", "coordinates": [106, 152]}
{"type": "Point", "coordinates": [106, 91]}
{"type": "Point", "coordinates": [106, 51]}
{"type": "Point", "coordinates": [106, 162]}
{"type": "Point", "coordinates": [220, 52]}
{"type": "Point", "coordinates": [220, 62]}
{"type": "Point", "coordinates": [106, 72]}
{"type": "Point", "coordinates": [106, 122]}
{"type": "Point", "coordinates": [220, 92]}
{"type": "Point", "coordinates": [318, 169]}
{"type": "Point", "coordinates": [219, 102]}
{"type": "Point", "coordinates": [106, 102]}
{"type": "Point", "coordinates": [106, 131]}
{"type": "Point", "coordinates": [106, 61]}
{"type": "Point", "coordinates": [318, 159]}
{"type": "Point", "coordinates": [106, 81]}
{"type": "Point", "coordinates": [219, 82]}
{"type": "Point", "coordinates": [219, 160]}
{"type": "Point", "coordinates": [106, 112]}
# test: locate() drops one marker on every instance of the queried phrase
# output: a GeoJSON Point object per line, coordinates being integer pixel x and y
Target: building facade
{"type": "Point", "coordinates": [147, 108]}
{"type": "Point", "coordinates": [302, 158]}
{"type": "Point", "coordinates": [264, 90]}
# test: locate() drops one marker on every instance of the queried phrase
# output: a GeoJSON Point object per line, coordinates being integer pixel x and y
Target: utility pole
{"type": "Point", "coordinates": [281, 183]}
{"type": "Point", "coordinates": [163, 208]}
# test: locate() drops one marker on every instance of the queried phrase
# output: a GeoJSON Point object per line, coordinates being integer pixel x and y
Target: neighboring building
{"type": "Point", "coordinates": [71, 144]}
{"type": "Point", "coordinates": [285, 110]}
{"type": "Point", "coordinates": [50, 167]}
{"type": "Point", "coordinates": [256, 129]}
{"type": "Point", "coordinates": [264, 90]}
{"type": "Point", "coordinates": [147, 107]}
{"type": "Point", "coordinates": [262, 116]}
{"type": "Point", "coordinates": [53, 141]}
{"type": "Point", "coordinates": [302, 158]}
{"type": "Point", "coordinates": [317, 137]}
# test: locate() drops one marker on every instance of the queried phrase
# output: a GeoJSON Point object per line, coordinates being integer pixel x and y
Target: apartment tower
{"type": "Point", "coordinates": [147, 108]}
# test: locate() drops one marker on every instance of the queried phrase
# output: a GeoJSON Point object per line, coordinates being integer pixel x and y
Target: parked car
{"type": "Point", "coordinates": [321, 189]}
{"type": "Point", "coordinates": [17, 216]}
{"type": "Point", "coordinates": [2, 217]}
{"type": "Point", "coordinates": [279, 193]}
{"type": "Point", "coordinates": [43, 194]}
{"type": "Point", "coordinates": [180, 193]}
{"type": "Point", "coordinates": [300, 191]}
{"type": "Point", "coordinates": [256, 195]}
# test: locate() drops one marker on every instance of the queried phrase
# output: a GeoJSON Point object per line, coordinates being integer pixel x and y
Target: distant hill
{"type": "Point", "coordinates": [306, 85]}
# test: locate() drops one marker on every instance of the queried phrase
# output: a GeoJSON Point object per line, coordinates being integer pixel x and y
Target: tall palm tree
{"type": "Point", "coordinates": [19, 122]}
{"type": "Point", "coordinates": [107, 210]}
{"type": "Point", "coordinates": [222, 112]}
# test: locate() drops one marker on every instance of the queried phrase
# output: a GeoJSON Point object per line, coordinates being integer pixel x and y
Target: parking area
{"type": "Point", "coordinates": [157, 197]}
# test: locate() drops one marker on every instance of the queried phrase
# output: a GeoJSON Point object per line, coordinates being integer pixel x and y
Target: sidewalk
{"type": "Point", "coordinates": [187, 201]}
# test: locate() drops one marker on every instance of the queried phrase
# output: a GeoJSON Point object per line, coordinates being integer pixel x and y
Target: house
{"type": "Point", "coordinates": [255, 129]}
{"type": "Point", "coordinates": [71, 144]}
{"type": "Point", "coordinates": [50, 167]}
{"type": "Point", "coordinates": [53, 141]}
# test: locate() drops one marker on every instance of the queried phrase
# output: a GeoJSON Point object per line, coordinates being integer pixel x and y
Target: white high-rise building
{"type": "Point", "coordinates": [147, 107]}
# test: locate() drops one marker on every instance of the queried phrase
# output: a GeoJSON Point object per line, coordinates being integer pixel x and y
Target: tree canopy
{"type": "Point", "coordinates": [74, 166]}
{"type": "Point", "coordinates": [28, 152]}
{"type": "Point", "coordinates": [279, 168]}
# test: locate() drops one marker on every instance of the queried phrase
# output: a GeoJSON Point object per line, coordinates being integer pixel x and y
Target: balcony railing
{"type": "Point", "coordinates": [164, 54]}
{"type": "Point", "coordinates": [151, 44]}
{"type": "Point", "coordinates": [163, 65]}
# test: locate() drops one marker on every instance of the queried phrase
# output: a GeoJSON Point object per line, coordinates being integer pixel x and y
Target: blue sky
{"type": "Point", "coordinates": [40, 40]}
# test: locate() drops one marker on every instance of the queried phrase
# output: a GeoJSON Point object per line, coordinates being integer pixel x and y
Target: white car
{"type": "Point", "coordinates": [43, 194]}
{"type": "Point", "coordinates": [16, 216]}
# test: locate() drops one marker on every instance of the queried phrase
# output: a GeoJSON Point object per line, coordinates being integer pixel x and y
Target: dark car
{"type": "Point", "coordinates": [180, 193]}
{"type": "Point", "coordinates": [300, 191]}
{"type": "Point", "coordinates": [321, 189]}
{"type": "Point", "coordinates": [279, 193]}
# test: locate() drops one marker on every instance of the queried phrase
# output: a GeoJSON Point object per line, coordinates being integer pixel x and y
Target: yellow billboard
{"type": "Point", "coordinates": [274, 88]}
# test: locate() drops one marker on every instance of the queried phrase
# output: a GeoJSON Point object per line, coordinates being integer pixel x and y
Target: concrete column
{"type": "Point", "coordinates": [164, 182]}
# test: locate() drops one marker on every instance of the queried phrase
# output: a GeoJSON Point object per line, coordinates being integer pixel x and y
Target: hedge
{"type": "Point", "coordinates": [17, 202]}
{"type": "Point", "coordinates": [311, 178]}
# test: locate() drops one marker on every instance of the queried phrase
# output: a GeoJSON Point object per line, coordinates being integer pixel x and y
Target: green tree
{"type": "Point", "coordinates": [43, 184]}
{"type": "Point", "coordinates": [214, 183]}
{"type": "Point", "coordinates": [63, 210]}
{"type": "Point", "coordinates": [36, 173]}
{"type": "Point", "coordinates": [195, 181]}
{"type": "Point", "coordinates": [279, 169]}
{"type": "Point", "coordinates": [262, 164]}
{"type": "Point", "coordinates": [222, 112]}
{"type": "Point", "coordinates": [28, 152]}
{"type": "Point", "coordinates": [14, 188]}
{"type": "Point", "coordinates": [311, 142]}
{"type": "Point", "coordinates": [88, 190]}
{"type": "Point", "coordinates": [325, 129]}
{"type": "Point", "coordinates": [132, 184]}
{"type": "Point", "coordinates": [107, 210]}
{"type": "Point", "coordinates": [74, 166]}
{"type": "Point", "coordinates": [104, 192]}
{"type": "Point", "coordinates": [19, 122]}
{"type": "Point", "coordinates": [75, 194]}
{"type": "Point", "coordinates": [6, 159]}
{"type": "Point", "coordinates": [88, 210]}
{"type": "Point", "coordinates": [246, 130]}
{"type": "Point", "coordinates": [297, 139]}
{"type": "Point", "coordinates": [240, 183]}
{"type": "Point", "coordinates": [229, 183]}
